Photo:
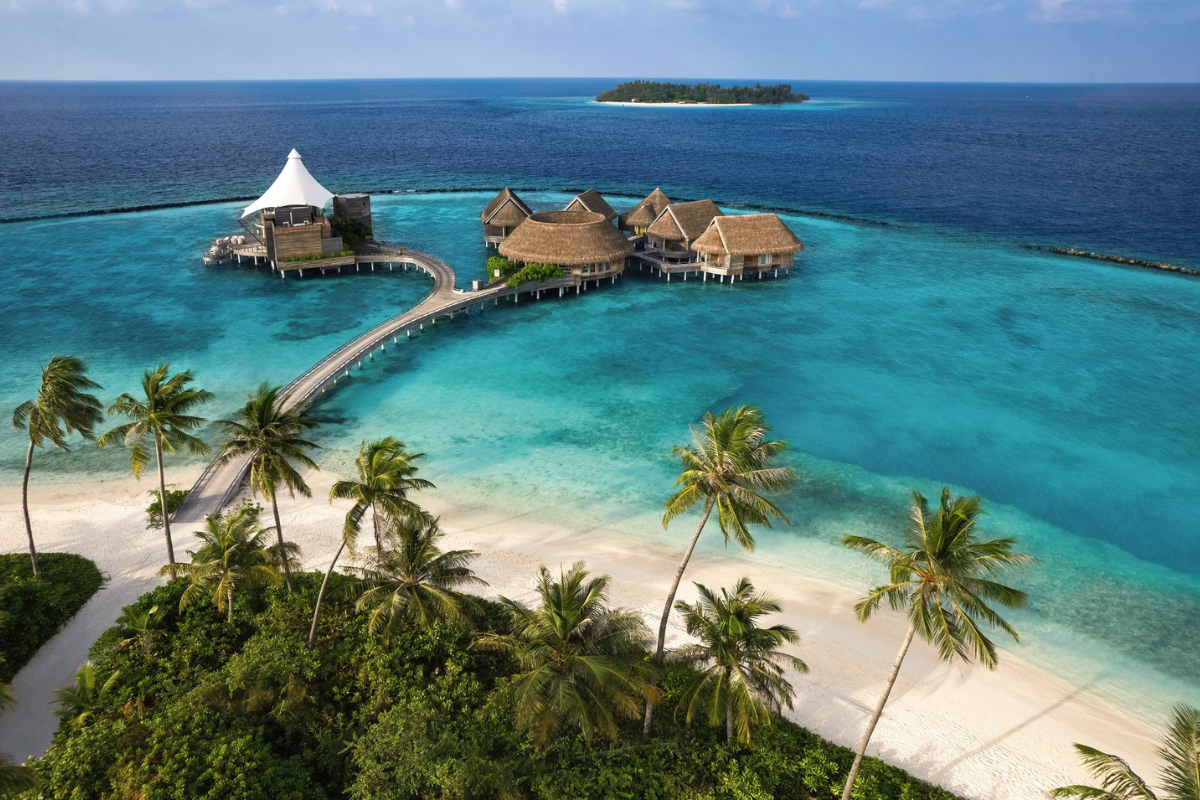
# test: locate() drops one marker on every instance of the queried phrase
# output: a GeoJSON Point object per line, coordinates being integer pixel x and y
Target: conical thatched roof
{"type": "Point", "coordinates": [680, 221]}
{"type": "Point", "coordinates": [592, 201]}
{"type": "Point", "coordinates": [747, 235]}
{"type": "Point", "coordinates": [645, 212]}
{"type": "Point", "coordinates": [505, 209]}
{"type": "Point", "coordinates": [565, 238]}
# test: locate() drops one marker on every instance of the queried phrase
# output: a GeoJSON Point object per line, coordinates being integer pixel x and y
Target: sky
{"type": "Point", "coordinates": [891, 40]}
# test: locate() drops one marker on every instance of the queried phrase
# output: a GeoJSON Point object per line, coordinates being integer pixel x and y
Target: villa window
{"type": "Point", "coordinates": [763, 260]}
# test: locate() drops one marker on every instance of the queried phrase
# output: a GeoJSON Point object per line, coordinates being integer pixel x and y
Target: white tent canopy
{"type": "Point", "coordinates": [295, 186]}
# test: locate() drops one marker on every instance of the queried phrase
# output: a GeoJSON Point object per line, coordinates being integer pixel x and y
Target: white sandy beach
{"type": "Point", "coordinates": [1003, 735]}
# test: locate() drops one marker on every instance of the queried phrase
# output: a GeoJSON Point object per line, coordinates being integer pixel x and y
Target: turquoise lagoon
{"type": "Point", "coordinates": [894, 358]}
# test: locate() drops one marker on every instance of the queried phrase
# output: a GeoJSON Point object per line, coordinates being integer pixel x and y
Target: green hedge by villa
{"type": "Point", "coordinates": [33, 609]}
{"type": "Point", "coordinates": [243, 709]}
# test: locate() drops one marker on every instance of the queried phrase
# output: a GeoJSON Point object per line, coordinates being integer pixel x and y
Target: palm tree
{"type": "Point", "coordinates": [13, 779]}
{"type": "Point", "coordinates": [582, 665]}
{"type": "Point", "coordinates": [273, 438]}
{"type": "Point", "coordinates": [385, 477]}
{"type": "Point", "coordinates": [142, 629]}
{"type": "Point", "coordinates": [742, 677]}
{"type": "Point", "coordinates": [943, 579]}
{"type": "Point", "coordinates": [233, 556]}
{"type": "Point", "coordinates": [78, 703]}
{"type": "Point", "coordinates": [414, 579]}
{"type": "Point", "coordinates": [728, 466]}
{"type": "Point", "coordinates": [1180, 752]}
{"type": "Point", "coordinates": [163, 415]}
{"type": "Point", "coordinates": [62, 406]}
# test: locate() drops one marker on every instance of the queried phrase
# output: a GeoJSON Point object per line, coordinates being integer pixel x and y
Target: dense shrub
{"type": "Point", "coordinates": [534, 273]}
{"type": "Point", "coordinates": [499, 268]}
{"type": "Point", "coordinates": [352, 231]}
{"type": "Point", "coordinates": [245, 710]}
{"type": "Point", "coordinates": [175, 498]}
{"type": "Point", "coordinates": [33, 609]}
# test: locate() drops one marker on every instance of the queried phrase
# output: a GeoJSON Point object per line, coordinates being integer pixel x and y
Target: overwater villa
{"type": "Point", "coordinates": [502, 215]}
{"type": "Point", "coordinates": [287, 227]}
{"type": "Point", "coordinates": [637, 219]}
{"type": "Point", "coordinates": [591, 200]}
{"type": "Point", "coordinates": [582, 243]}
{"type": "Point", "coordinates": [692, 238]}
{"type": "Point", "coordinates": [744, 244]}
{"type": "Point", "coordinates": [671, 234]}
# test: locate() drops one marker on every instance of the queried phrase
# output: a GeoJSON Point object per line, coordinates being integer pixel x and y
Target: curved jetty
{"type": "Point", "coordinates": [219, 483]}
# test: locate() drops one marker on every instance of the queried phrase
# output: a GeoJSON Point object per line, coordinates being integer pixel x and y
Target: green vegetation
{"type": "Point", "coordinates": [1180, 752]}
{"type": "Point", "coordinates": [743, 680]}
{"type": "Point", "coordinates": [175, 498]}
{"type": "Point", "coordinates": [163, 415]}
{"type": "Point", "coordinates": [580, 665]}
{"type": "Point", "coordinates": [318, 256]}
{"type": "Point", "coordinates": [32, 609]}
{"type": "Point", "coordinates": [233, 558]}
{"type": "Point", "coordinates": [273, 439]}
{"type": "Point", "coordinates": [61, 407]}
{"type": "Point", "coordinates": [942, 578]}
{"type": "Point", "coordinates": [534, 273]}
{"type": "Point", "coordinates": [386, 474]}
{"type": "Point", "coordinates": [352, 231]}
{"type": "Point", "coordinates": [243, 709]}
{"type": "Point", "coordinates": [711, 93]}
{"type": "Point", "coordinates": [729, 466]}
{"type": "Point", "coordinates": [499, 268]}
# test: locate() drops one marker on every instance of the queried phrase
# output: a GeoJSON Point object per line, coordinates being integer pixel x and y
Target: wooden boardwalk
{"type": "Point", "coordinates": [220, 483]}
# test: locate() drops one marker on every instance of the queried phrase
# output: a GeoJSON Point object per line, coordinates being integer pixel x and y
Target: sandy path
{"type": "Point", "coordinates": [1003, 735]}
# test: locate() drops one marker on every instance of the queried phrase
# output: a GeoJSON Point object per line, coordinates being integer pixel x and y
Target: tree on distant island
{"type": "Point", "coordinates": [709, 93]}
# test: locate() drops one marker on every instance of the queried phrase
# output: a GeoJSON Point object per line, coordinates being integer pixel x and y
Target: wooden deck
{"type": "Point", "coordinates": [220, 483]}
{"type": "Point", "coordinates": [651, 260]}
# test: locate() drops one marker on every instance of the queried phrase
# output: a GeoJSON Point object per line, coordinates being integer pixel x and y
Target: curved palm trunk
{"type": "Point", "coordinates": [229, 603]}
{"type": "Point", "coordinates": [312, 632]}
{"type": "Point", "coordinates": [728, 707]}
{"type": "Point", "coordinates": [162, 498]}
{"type": "Point", "coordinates": [378, 536]}
{"type": "Point", "coordinates": [662, 625]}
{"type": "Point", "coordinates": [25, 508]}
{"type": "Point", "coordinates": [287, 568]}
{"type": "Point", "coordinates": [862, 747]}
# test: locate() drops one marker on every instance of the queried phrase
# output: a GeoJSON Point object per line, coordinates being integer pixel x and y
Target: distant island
{"type": "Point", "coordinates": [707, 93]}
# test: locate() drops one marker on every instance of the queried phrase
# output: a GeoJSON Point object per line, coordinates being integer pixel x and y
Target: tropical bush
{"type": "Point", "coordinates": [33, 609]}
{"type": "Point", "coordinates": [499, 268]}
{"type": "Point", "coordinates": [534, 273]}
{"type": "Point", "coordinates": [175, 498]}
{"type": "Point", "coordinates": [352, 231]}
{"type": "Point", "coordinates": [244, 709]}
{"type": "Point", "coordinates": [319, 256]}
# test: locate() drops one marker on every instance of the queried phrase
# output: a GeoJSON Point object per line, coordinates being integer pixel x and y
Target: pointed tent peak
{"type": "Point", "coordinates": [295, 186]}
{"type": "Point", "coordinates": [644, 213]}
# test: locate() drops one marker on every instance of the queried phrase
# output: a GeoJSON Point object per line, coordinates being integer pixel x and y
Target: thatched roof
{"type": "Point", "coordinates": [592, 201]}
{"type": "Point", "coordinates": [645, 212]}
{"type": "Point", "coordinates": [565, 238]}
{"type": "Point", "coordinates": [680, 221]}
{"type": "Point", "coordinates": [505, 209]}
{"type": "Point", "coordinates": [747, 235]}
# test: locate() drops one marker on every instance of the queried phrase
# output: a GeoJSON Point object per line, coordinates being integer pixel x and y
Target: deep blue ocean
{"type": "Point", "coordinates": [924, 338]}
